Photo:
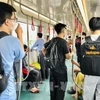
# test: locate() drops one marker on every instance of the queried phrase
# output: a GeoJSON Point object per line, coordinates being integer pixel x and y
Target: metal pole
{"type": "Point", "coordinates": [32, 10]}
{"type": "Point", "coordinates": [28, 44]}
{"type": "Point", "coordinates": [20, 79]}
{"type": "Point", "coordinates": [27, 38]}
{"type": "Point", "coordinates": [73, 45]}
{"type": "Point", "coordinates": [7, 1]}
{"type": "Point", "coordinates": [12, 2]}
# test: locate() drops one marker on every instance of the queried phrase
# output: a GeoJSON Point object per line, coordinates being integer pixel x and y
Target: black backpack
{"type": "Point", "coordinates": [90, 57]}
{"type": "Point", "coordinates": [3, 77]}
{"type": "Point", "coordinates": [52, 55]}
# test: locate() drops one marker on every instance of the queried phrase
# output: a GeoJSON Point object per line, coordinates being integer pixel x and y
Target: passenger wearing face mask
{"type": "Point", "coordinates": [58, 75]}
{"type": "Point", "coordinates": [11, 48]}
{"type": "Point", "coordinates": [83, 35]}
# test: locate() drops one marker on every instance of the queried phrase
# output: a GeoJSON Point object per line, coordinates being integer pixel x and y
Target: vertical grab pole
{"type": "Point", "coordinates": [7, 1]}
{"type": "Point", "coordinates": [12, 2]}
{"type": "Point", "coordinates": [73, 45]}
{"type": "Point", "coordinates": [27, 37]}
{"type": "Point", "coordinates": [20, 77]}
{"type": "Point", "coordinates": [20, 81]}
{"type": "Point", "coordinates": [73, 41]}
{"type": "Point", "coordinates": [28, 42]}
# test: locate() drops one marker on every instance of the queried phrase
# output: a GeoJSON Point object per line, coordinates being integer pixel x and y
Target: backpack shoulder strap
{"type": "Point", "coordinates": [49, 45]}
{"type": "Point", "coordinates": [3, 34]}
{"type": "Point", "coordinates": [88, 39]}
{"type": "Point", "coordinates": [1, 65]}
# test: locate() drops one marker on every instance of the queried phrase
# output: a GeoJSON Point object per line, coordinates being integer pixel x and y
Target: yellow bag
{"type": "Point", "coordinates": [36, 65]}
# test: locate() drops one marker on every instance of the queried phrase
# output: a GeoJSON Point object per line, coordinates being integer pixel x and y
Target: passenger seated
{"type": "Point", "coordinates": [77, 70]}
{"type": "Point", "coordinates": [33, 76]}
{"type": "Point", "coordinates": [79, 79]}
{"type": "Point", "coordinates": [38, 45]}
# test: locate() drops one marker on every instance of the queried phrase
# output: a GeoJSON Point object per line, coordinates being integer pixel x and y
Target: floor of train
{"type": "Point", "coordinates": [44, 93]}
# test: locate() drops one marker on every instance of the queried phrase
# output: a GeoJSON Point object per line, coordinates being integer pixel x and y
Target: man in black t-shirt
{"type": "Point", "coordinates": [58, 77]}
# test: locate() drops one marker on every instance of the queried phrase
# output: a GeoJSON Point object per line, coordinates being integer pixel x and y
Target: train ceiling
{"type": "Point", "coordinates": [61, 10]}
{"type": "Point", "coordinates": [56, 10]}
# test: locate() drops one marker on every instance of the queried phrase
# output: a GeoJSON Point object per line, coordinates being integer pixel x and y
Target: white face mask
{"type": "Point", "coordinates": [14, 26]}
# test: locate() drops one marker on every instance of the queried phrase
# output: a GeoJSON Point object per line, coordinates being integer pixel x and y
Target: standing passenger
{"type": "Point", "coordinates": [39, 45]}
{"type": "Point", "coordinates": [46, 66]}
{"type": "Point", "coordinates": [58, 76]}
{"type": "Point", "coordinates": [92, 83]}
{"type": "Point", "coordinates": [10, 47]}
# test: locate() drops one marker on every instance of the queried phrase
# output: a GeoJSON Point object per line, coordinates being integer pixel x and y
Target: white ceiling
{"type": "Point", "coordinates": [58, 10]}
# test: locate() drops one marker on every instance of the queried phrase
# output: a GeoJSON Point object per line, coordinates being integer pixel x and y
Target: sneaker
{"type": "Point", "coordinates": [41, 82]}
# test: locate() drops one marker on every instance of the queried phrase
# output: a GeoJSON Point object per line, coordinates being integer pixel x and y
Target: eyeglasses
{"type": "Point", "coordinates": [15, 19]}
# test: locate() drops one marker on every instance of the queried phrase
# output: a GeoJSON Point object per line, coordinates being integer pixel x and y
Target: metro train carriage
{"type": "Point", "coordinates": [40, 16]}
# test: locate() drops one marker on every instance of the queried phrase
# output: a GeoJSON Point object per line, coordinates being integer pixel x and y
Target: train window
{"type": "Point", "coordinates": [32, 34]}
{"type": "Point", "coordinates": [51, 34]}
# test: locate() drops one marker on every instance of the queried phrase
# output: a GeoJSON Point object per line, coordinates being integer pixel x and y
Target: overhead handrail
{"type": "Point", "coordinates": [36, 12]}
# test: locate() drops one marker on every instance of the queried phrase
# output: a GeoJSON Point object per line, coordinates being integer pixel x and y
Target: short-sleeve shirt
{"type": "Point", "coordinates": [62, 50]}
{"type": "Point", "coordinates": [38, 44]}
{"type": "Point", "coordinates": [10, 49]}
